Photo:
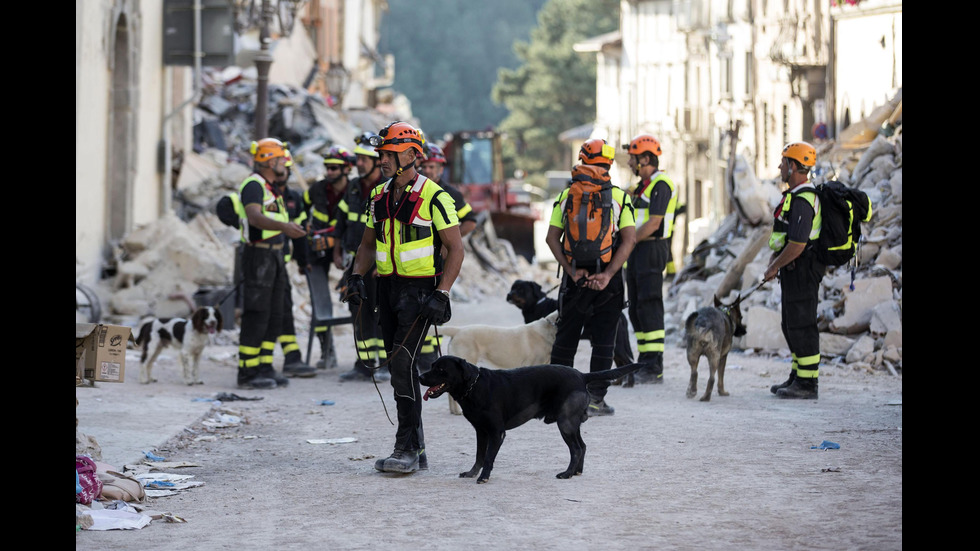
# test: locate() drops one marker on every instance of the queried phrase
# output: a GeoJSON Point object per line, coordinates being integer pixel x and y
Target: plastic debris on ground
{"type": "Point", "coordinates": [326, 402]}
{"type": "Point", "coordinates": [826, 445]}
{"type": "Point", "coordinates": [117, 519]}
{"type": "Point", "coordinates": [344, 440]}
{"type": "Point", "coordinates": [153, 457]}
{"type": "Point", "coordinates": [223, 420]}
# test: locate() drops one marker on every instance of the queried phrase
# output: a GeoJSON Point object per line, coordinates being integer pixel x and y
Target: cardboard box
{"type": "Point", "coordinates": [100, 352]}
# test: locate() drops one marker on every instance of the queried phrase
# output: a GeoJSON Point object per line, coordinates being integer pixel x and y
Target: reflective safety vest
{"type": "Point", "coordinates": [273, 206]}
{"type": "Point", "coordinates": [780, 223]}
{"type": "Point", "coordinates": [641, 202]}
{"type": "Point", "coordinates": [407, 241]}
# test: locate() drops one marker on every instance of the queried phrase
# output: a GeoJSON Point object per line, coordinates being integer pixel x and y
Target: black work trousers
{"type": "Point", "coordinates": [800, 285]}
{"type": "Point", "coordinates": [603, 310]}
{"type": "Point", "coordinates": [263, 302]}
{"type": "Point", "coordinates": [645, 282]}
{"type": "Point", "coordinates": [399, 304]}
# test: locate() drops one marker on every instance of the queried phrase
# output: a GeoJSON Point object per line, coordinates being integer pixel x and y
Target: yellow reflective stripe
{"type": "Point", "coordinates": [807, 373]}
{"type": "Point", "coordinates": [650, 335]}
{"type": "Point", "coordinates": [268, 346]}
{"type": "Point", "coordinates": [287, 348]}
{"type": "Point", "coordinates": [650, 347]}
{"type": "Point", "coordinates": [320, 329]}
{"type": "Point", "coordinates": [265, 359]}
{"type": "Point", "coordinates": [251, 362]}
{"type": "Point", "coordinates": [807, 361]}
{"type": "Point", "coordinates": [287, 338]}
{"type": "Point", "coordinates": [464, 211]}
{"type": "Point", "coordinates": [321, 216]}
{"type": "Point", "coordinates": [249, 350]}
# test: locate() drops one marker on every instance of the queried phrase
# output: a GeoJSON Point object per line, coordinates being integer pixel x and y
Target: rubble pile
{"type": "Point", "coordinates": [860, 322]}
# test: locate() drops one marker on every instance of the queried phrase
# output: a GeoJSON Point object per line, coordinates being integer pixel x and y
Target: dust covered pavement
{"type": "Point", "coordinates": [664, 471]}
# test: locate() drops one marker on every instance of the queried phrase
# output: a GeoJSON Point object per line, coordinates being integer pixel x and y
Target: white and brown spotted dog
{"type": "Point", "coordinates": [190, 336]}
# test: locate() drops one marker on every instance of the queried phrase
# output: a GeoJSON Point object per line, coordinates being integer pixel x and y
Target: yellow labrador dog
{"type": "Point", "coordinates": [499, 347]}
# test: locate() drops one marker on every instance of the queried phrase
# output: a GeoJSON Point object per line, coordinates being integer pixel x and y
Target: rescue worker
{"type": "Point", "coordinates": [293, 364]}
{"type": "Point", "coordinates": [322, 200]}
{"type": "Point", "coordinates": [265, 231]}
{"type": "Point", "coordinates": [411, 219]}
{"type": "Point", "coordinates": [591, 294]}
{"type": "Point", "coordinates": [433, 166]}
{"type": "Point", "coordinates": [797, 222]}
{"type": "Point", "coordinates": [654, 198]}
{"type": "Point", "coordinates": [352, 213]}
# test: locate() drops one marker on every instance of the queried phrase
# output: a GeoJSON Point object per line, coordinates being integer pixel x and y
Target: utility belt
{"type": "Point", "coordinates": [651, 238]}
{"type": "Point", "coordinates": [263, 245]}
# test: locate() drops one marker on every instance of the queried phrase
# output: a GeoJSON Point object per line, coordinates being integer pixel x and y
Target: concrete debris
{"type": "Point", "coordinates": [861, 327]}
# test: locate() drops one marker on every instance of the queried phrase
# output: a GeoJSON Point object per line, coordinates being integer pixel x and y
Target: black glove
{"type": "Point", "coordinates": [356, 291]}
{"type": "Point", "coordinates": [437, 308]}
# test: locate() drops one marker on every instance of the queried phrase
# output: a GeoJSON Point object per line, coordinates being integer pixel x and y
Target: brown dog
{"type": "Point", "coordinates": [709, 334]}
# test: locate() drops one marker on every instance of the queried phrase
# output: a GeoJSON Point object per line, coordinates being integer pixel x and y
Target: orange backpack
{"type": "Point", "coordinates": [590, 217]}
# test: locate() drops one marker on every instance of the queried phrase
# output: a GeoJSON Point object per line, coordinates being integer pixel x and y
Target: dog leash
{"type": "Point", "coordinates": [754, 289]}
{"type": "Point", "coordinates": [233, 289]}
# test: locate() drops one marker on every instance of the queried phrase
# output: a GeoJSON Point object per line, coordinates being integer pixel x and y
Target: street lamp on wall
{"type": "Point", "coordinates": [336, 79]}
{"type": "Point", "coordinates": [261, 13]}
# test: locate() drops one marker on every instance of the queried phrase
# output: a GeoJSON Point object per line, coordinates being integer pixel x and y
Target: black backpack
{"type": "Point", "coordinates": [843, 209]}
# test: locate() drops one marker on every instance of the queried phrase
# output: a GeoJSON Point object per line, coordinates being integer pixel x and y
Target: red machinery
{"type": "Point", "coordinates": [475, 165]}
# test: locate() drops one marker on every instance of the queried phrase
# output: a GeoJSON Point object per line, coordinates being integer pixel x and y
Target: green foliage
{"type": "Point", "coordinates": [554, 89]}
{"type": "Point", "coordinates": [447, 54]}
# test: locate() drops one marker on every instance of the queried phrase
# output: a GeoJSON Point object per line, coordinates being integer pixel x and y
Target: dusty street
{"type": "Point", "coordinates": [665, 472]}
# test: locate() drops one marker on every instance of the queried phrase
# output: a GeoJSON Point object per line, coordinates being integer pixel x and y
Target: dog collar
{"type": "Point", "coordinates": [465, 394]}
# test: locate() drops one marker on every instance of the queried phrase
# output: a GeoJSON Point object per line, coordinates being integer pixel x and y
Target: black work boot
{"type": "Point", "coordinates": [361, 372]}
{"type": "Point", "coordinates": [400, 461]}
{"type": "Point", "coordinates": [269, 372]}
{"type": "Point", "coordinates": [423, 461]}
{"type": "Point", "coordinates": [249, 379]}
{"type": "Point", "coordinates": [784, 384]}
{"type": "Point", "coordinates": [599, 408]}
{"type": "Point", "coordinates": [801, 388]}
{"type": "Point", "coordinates": [294, 366]}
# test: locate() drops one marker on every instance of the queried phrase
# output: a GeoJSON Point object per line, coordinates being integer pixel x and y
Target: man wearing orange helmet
{"type": "Point", "coordinates": [591, 295]}
{"type": "Point", "coordinates": [797, 222]}
{"type": "Point", "coordinates": [432, 167]}
{"type": "Point", "coordinates": [352, 213]}
{"type": "Point", "coordinates": [265, 231]}
{"type": "Point", "coordinates": [655, 199]}
{"type": "Point", "coordinates": [411, 219]}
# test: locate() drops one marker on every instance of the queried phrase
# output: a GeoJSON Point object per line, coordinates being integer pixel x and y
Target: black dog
{"type": "Point", "coordinates": [494, 401]}
{"type": "Point", "coordinates": [535, 304]}
{"type": "Point", "coordinates": [709, 333]}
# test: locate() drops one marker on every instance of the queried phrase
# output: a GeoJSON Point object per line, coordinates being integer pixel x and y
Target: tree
{"type": "Point", "coordinates": [447, 53]}
{"type": "Point", "coordinates": [554, 89]}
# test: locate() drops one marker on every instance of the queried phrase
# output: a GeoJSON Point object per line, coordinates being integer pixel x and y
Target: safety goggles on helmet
{"type": "Point", "coordinates": [399, 136]}
{"type": "Point", "coordinates": [337, 155]}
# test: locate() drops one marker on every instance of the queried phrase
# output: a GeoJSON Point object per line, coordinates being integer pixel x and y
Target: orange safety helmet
{"type": "Point", "coordinates": [644, 143]}
{"type": "Point", "coordinates": [400, 136]}
{"type": "Point", "coordinates": [267, 149]}
{"type": "Point", "coordinates": [597, 152]}
{"type": "Point", "coordinates": [801, 152]}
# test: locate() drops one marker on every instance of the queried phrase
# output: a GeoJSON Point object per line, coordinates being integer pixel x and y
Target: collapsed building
{"type": "Point", "coordinates": [190, 253]}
